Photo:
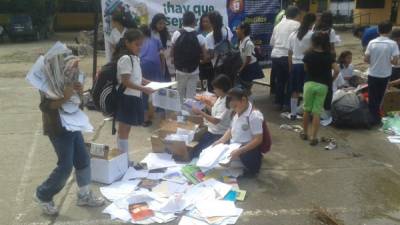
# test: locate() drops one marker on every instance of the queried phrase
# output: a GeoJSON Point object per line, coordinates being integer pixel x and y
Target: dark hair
{"type": "Point", "coordinates": [292, 12]}
{"type": "Point", "coordinates": [216, 21]}
{"type": "Point", "coordinates": [188, 19]}
{"type": "Point", "coordinates": [385, 27]}
{"type": "Point", "coordinates": [342, 58]}
{"type": "Point", "coordinates": [238, 93]}
{"type": "Point", "coordinates": [325, 22]}
{"type": "Point", "coordinates": [321, 39]}
{"type": "Point", "coordinates": [245, 27]}
{"type": "Point", "coordinates": [201, 28]}
{"type": "Point", "coordinates": [308, 21]}
{"type": "Point", "coordinates": [145, 29]}
{"type": "Point", "coordinates": [129, 36]}
{"type": "Point", "coordinates": [164, 34]}
{"type": "Point", "coordinates": [118, 17]}
{"type": "Point", "coordinates": [222, 82]}
{"type": "Point", "coordinates": [359, 29]}
{"type": "Point", "coordinates": [395, 33]}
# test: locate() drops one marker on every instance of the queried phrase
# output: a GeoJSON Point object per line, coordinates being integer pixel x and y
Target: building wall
{"type": "Point", "coordinates": [74, 21]}
{"type": "Point", "coordinates": [377, 15]}
{"type": "Point", "coordinates": [342, 8]}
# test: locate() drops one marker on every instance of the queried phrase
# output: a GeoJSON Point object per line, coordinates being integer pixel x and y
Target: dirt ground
{"type": "Point", "coordinates": [359, 181]}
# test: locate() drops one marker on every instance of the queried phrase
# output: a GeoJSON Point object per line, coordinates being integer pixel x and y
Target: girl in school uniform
{"type": "Point", "coordinates": [159, 30]}
{"type": "Point", "coordinates": [219, 120]}
{"type": "Point", "coordinates": [250, 69]}
{"type": "Point", "coordinates": [246, 129]}
{"type": "Point", "coordinates": [118, 31]}
{"type": "Point", "coordinates": [205, 67]}
{"type": "Point", "coordinates": [130, 105]}
{"type": "Point", "coordinates": [299, 43]}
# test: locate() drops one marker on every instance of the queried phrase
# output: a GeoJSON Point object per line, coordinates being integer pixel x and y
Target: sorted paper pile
{"type": "Point", "coordinates": [165, 190]}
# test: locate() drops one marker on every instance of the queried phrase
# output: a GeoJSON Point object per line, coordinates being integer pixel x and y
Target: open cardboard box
{"type": "Point", "coordinates": [191, 118]}
{"type": "Point", "coordinates": [173, 125]}
{"type": "Point", "coordinates": [107, 170]}
{"type": "Point", "coordinates": [179, 150]}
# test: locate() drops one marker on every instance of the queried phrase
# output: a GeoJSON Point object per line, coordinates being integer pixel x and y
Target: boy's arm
{"type": "Point", "coordinates": [367, 59]}
{"type": "Point", "coordinates": [336, 70]}
{"type": "Point", "coordinates": [50, 104]}
{"type": "Point", "coordinates": [395, 60]}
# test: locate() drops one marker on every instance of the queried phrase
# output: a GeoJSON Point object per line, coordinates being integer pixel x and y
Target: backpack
{"type": "Point", "coordinates": [230, 57]}
{"type": "Point", "coordinates": [266, 143]}
{"type": "Point", "coordinates": [105, 94]}
{"type": "Point", "coordinates": [187, 51]}
{"type": "Point", "coordinates": [257, 52]}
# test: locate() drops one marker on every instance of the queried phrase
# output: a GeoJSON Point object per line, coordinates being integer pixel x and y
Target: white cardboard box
{"type": "Point", "coordinates": [108, 171]}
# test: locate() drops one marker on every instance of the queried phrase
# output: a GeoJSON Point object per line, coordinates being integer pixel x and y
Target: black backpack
{"type": "Point", "coordinates": [105, 94]}
{"type": "Point", "coordinates": [187, 52]}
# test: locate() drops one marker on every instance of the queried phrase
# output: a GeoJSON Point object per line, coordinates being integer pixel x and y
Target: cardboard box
{"type": "Point", "coordinates": [172, 126]}
{"type": "Point", "coordinates": [391, 101]}
{"type": "Point", "coordinates": [100, 151]}
{"type": "Point", "coordinates": [179, 150]}
{"type": "Point", "coordinates": [191, 118]}
{"type": "Point", "coordinates": [107, 171]}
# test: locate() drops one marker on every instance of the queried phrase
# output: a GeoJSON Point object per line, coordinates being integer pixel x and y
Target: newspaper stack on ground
{"type": "Point", "coordinates": [50, 74]}
{"type": "Point", "coordinates": [166, 190]}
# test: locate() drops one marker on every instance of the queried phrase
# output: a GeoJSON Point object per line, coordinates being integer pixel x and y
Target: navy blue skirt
{"type": "Point", "coordinates": [251, 72]}
{"type": "Point", "coordinates": [130, 110]}
{"type": "Point", "coordinates": [297, 78]}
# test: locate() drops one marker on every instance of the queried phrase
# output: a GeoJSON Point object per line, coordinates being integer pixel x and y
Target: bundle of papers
{"type": "Point", "coordinates": [166, 189]}
{"type": "Point", "coordinates": [184, 135]}
{"type": "Point", "coordinates": [215, 155]}
{"type": "Point", "coordinates": [193, 104]}
{"type": "Point", "coordinates": [77, 121]}
{"type": "Point", "coordinates": [158, 85]}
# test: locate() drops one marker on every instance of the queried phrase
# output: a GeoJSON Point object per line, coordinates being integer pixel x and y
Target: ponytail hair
{"type": "Point", "coordinates": [216, 21]}
{"type": "Point", "coordinates": [320, 39]}
{"type": "Point", "coordinates": [306, 25]}
{"type": "Point", "coordinates": [342, 58]}
{"type": "Point", "coordinates": [129, 36]}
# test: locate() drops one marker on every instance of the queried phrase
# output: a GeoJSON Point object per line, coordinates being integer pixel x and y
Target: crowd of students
{"type": "Point", "coordinates": [303, 64]}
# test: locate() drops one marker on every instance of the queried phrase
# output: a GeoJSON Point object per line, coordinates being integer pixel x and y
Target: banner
{"type": "Point", "coordinates": [259, 13]}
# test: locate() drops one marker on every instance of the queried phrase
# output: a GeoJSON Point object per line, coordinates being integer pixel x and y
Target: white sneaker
{"type": "Point", "coordinates": [48, 208]}
{"type": "Point", "coordinates": [90, 200]}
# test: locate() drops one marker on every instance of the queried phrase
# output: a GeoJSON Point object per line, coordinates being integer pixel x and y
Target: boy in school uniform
{"type": "Point", "coordinates": [71, 153]}
{"type": "Point", "coordinates": [187, 48]}
{"type": "Point", "coordinates": [381, 53]}
{"type": "Point", "coordinates": [280, 65]}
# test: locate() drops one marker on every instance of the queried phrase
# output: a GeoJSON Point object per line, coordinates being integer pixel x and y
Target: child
{"type": "Point", "coordinates": [187, 48]}
{"type": "Point", "coordinates": [381, 53]}
{"type": "Point", "coordinates": [250, 69]}
{"type": "Point", "coordinates": [318, 64]}
{"type": "Point", "coordinates": [71, 153]}
{"type": "Point", "coordinates": [159, 30]}
{"type": "Point", "coordinates": [299, 42]}
{"type": "Point", "coordinates": [206, 67]}
{"type": "Point", "coordinates": [246, 129]}
{"type": "Point", "coordinates": [219, 120]}
{"type": "Point", "coordinates": [345, 77]}
{"type": "Point", "coordinates": [151, 55]}
{"type": "Point", "coordinates": [129, 74]}
{"type": "Point", "coordinates": [118, 31]}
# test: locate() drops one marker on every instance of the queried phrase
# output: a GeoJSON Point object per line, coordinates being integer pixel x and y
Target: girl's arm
{"type": "Point", "coordinates": [209, 118]}
{"type": "Point", "coordinates": [394, 83]}
{"type": "Point", "coordinates": [290, 59]}
{"type": "Point", "coordinates": [336, 70]}
{"type": "Point", "coordinates": [145, 81]}
{"type": "Point", "coordinates": [125, 80]}
{"type": "Point", "coordinates": [227, 136]}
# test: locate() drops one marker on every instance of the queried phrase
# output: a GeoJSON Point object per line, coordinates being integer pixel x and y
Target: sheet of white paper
{"type": "Point", "coordinates": [119, 189]}
{"type": "Point", "coordinates": [220, 188]}
{"type": "Point", "coordinates": [174, 174]}
{"type": "Point", "coordinates": [175, 204]}
{"type": "Point", "coordinates": [155, 176]}
{"type": "Point", "coordinates": [233, 219]}
{"type": "Point", "coordinates": [36, 77]}
{"type": "Point", "coordinates": [160, 85]}
{"type": "Point", "coordinates": [394, 139]}
{"type": "Point", "coordinates": [210, 156]}
{"type": "Point", "coordinates": [210, 208]}
{"type": "Point", "coordinates": [132, 174]}
{"type": "Point", "coordinates": [77, 121]}
{"type": "Point", "coordinates": [188, 133]}
{"type": "Point", "coordinates": [167, 99]}
{"type": "Point", "coordinates": [158, 161]}
{"type": "Point", "coordinates": [185, 220]}
{"type": "Point", "coordinates": [117, 213]}
{"type": "Point", "coordinates": [225, 158]}
{"type": "Point", "coordinates": [199, 192]}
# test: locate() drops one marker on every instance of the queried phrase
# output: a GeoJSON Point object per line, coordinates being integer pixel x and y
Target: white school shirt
{"type": "Point", "coordinates": [381, 50]}
{"type": "Point", "coordinates": [246, 49]}
{"type": "Point", "coordinates": [280, 37]}
{"type": "Point", "coordinates": [338, 82]}
{"type": "Point", "coordinates": [113, 39]}
{"type": "Point", "coordinates": [210, 42]}
{"type": "Point", "coordinates": [246, 126]}
{"type": "Point", "coordinates": [125, 67]}
{"type": "Point", "coordinates": [347, 72]}
{"type": "Point", "coordinates": [299, 47]}
{"type": "Point", "coordinates": [222, 113]}
{"type": "Point", "coordinates": [200, 38]}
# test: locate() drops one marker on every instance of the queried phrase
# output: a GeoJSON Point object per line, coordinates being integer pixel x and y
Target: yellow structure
{"type": "Point", "coordinates": [74, 21]}
{"type": "Point", "coordinates": [366, 16]}
{"type": "Point", "coordinates": [319, 5]}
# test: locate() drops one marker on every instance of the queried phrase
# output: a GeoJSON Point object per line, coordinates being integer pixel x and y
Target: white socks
{"type": "Point", "coordinates": [84, 190]}
{"type": "Point", "coordinates": [123, 145]}
{"type": "Point", "coordinates": [293, 106]}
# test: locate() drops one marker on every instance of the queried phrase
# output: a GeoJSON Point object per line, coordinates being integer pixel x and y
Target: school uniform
{"type": "Point", "coordinates": [380, 51]}
{"type": "Point", "coordinates": [279, 56]}
{"type": "Point", "coordinates": [212, 45]}
{"type": "Point", "coordinates": [187, 81]}
{"type": "Point", "coordinates": [298, 48]}
{"type": "Point", "coordinates": [253, 70]}
{"type": "Point", "coordinates": [215, 131]}
{"type": "Point", "coordinates": [243, 129]}
{"type": "Point", "coordinates": [112, 40]}
{"type": "Point", "coordinates": [130, 104]}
